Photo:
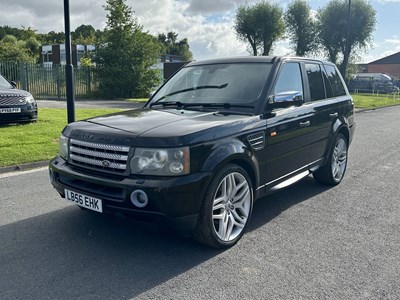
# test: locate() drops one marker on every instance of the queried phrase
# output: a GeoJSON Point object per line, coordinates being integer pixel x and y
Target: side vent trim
{"type": "Point", "coordinates": [257, 140]}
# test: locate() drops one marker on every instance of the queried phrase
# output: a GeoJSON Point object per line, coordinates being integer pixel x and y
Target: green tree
{"type": "Point", "coordinates": [84, 34]}
{"type": "Point", "coordinates": [52, 37]}
{"type": "Point", "coordinates": [123, 63]}
{"type": "Point", "coordinates": [260, 25]}
{"type": "Point", "coordinates": [184, 50]}
{"type": "Point", "coordinates": [14, 51]}
{"type": "Point", "coordinates": [19, 33]}
{"type": "Point", "coordinates": [27, 33]}
{"type": "Point", "coordinates": [32, 44]}
{"type": "Point", "coordinates": [301, 27]}
{"type": "Point", "coordinates": [333, 26]}
{"type": "Point", "coordinates": [171, 45]}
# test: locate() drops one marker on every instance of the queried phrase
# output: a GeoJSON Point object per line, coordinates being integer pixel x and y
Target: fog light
{"type": "Point", "coordinates": [139, 198]}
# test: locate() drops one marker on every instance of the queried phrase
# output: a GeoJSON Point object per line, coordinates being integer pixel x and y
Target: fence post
{"type": "Point", "coordinates": [21, 76]}
{"type": "Point", "coordinates": [89, 88]}
{"type": "Point", "coordinates": [27, 77]}
{"type": "Point", "coordinates": [58, 82]}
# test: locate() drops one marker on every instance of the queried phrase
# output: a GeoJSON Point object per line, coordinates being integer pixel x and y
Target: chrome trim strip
{"type": "Point", "coordinates": [99, 154]}
{"type": "Point", "coordinates": [100, 146]}
{"type": "Point", "coordinates": [268, 183]}
{"type": "Point", "coordinates": [291, 180]}
{"type": "Point", "coordinates": [112, 165]}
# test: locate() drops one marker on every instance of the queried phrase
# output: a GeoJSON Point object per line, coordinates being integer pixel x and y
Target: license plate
{"type": "Point", "coordinates": [84, 200]}
{"type": "Point", "coordinates": [10, 110]}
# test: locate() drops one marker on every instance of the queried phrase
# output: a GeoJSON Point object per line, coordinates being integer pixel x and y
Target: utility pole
{"type": "Point", "coordinates": [347, 49]}
{"type": "Point", "coordinates": [348, 29]}
{"type": "Point", "coordinates": [69, 68]}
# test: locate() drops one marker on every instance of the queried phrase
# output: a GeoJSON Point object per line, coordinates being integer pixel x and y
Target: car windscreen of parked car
{"type": "Point", "coordinates": [236, 83]}
{"type": "Point", "coordinates": [4, 83]}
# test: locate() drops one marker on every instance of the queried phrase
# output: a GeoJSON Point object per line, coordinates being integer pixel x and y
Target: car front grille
{"type": "Point", "coordinates": [12, 99]}
{"type": "Point", "coordinates": [101, 157]}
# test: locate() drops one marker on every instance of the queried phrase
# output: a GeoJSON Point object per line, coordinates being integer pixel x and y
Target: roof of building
{"type": "Point", "coordinates": [391, 59]}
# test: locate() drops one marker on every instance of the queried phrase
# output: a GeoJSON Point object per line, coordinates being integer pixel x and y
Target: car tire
{"type": "Point", "coordinates": [226, 208]}
{"type": "Point", "coordinates": [333, 171]}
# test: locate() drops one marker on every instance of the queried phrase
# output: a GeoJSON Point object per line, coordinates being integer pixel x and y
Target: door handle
{"type": "Point", "coordinates": [305, 124]}
{"type": "Point", "coordinates": [333, 115]}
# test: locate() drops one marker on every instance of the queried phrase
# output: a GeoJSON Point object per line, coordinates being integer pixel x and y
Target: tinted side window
{"type": "Point", "coordinates": [328, 86]}
{"type": "Point", "coordinates": [289, 79]}
{"type": "Point", "coordinates": [317, 88]}
{"type": "Point", "coordinates": [334, 79]}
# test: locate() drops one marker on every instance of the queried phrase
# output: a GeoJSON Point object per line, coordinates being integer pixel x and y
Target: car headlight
{"type": "Point", "coordinates": [30, 99]}
{"type": "Point", "coordinates": [162, 162]}
{"type": "Point", "coordinates": [63, 147]}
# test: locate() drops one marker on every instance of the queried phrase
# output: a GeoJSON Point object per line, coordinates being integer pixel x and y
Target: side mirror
{"type": "Point", "coordinates": [285, 99]}
{"type": "Point", "coordinates": [13, 83]}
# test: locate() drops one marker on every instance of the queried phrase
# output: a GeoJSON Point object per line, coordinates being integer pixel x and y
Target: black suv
{"type": "Point", "coordinates": [216, 136]}
{"type": "Point", "coordinates": [16, 105]}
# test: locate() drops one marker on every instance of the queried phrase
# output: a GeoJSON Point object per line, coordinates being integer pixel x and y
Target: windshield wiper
{"type": "Point", "coordinates": [201, 87]}
{"type": "Point", "coordinates": [168, 103]}
{"type": "Point", "coordinates": [179, 104]}
{"type": "Point", "coordinates": [222, 105]}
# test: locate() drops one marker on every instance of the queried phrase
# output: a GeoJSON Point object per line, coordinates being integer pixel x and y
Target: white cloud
{"type": "Point", "coordinates": [395, 40]}
{"type": "Point", "coordinates": [45, 16]}
{"type": "Point", "coordinates": [211, 6]}
{"type": "Point", "coordinates": [216, 6]}
{"type": "Point", "coordinates": [206, 38]}
{"type": "Point", "coordinates": [388, 1]}
{"type": "Point", "coordinates": [208, 24]}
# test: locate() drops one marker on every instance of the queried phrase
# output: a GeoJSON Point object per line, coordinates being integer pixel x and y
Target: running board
{"type": "Point", "coordinates": [290, 181]}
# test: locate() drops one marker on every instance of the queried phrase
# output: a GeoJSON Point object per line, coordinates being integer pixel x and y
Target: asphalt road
{"type": "Point", "coordinates": [305, 242]}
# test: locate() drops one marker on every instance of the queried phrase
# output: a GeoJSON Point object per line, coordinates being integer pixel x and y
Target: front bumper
{"type": "Point", "coordinates": [175, 201]}
{"type": "Point", "coordinates": [28, 113]}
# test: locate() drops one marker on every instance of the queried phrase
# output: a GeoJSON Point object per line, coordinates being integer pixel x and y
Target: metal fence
{"type": "Point", "coordinates": [48, 81]}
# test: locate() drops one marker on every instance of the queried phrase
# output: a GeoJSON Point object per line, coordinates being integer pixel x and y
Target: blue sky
{"type": "Point", "coordinates": [206, 23]}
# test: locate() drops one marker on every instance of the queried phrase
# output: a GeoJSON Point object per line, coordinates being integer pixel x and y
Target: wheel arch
{"type": "Point", "coordinates": [249, 170]}
{"type": "Point", "coordinates": [340, 130]}
{"type": "Point", "coordinates": [233, 152]}
{"type": "Point", "coordinates": [346, 133]}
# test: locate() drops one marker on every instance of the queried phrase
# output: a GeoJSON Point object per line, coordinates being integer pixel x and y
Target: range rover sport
{"type": "Point", "coordinates": [214, 138]}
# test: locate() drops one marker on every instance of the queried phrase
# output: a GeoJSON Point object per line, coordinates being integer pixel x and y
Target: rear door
{"type": "Point", "coordinates": [325, 107]}
{"type": "Point", "coordinates": [346, 104]}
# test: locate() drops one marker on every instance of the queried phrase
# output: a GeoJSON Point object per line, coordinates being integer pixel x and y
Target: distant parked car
{"type": "Point", "coordinates": [16, 105]}
{"type": "Point", "coordinates": [372, 82]}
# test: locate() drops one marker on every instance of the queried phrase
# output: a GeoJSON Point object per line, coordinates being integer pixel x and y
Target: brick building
{"type": "Point", "coordinates": [389, 65]}
{"type": "Point", "coordinates": [55, 54]}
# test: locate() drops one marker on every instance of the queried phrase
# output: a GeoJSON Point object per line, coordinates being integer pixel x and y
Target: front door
{"type": "Point", "coordinates": [287, 148]}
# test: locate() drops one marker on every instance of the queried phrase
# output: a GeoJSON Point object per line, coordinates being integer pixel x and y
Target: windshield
{"type": "Point", "coordinates": [236, 83]}
{"type": "Point", "coordinates": [4, 83]}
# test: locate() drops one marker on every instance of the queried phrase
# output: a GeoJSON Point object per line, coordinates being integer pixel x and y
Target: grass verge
{"type": "Point", "coordinates": [38, 141]}
{"type": "Point", "coordinates": [140, 100]}
{"type": "Point", "coordinates": [370, 101]}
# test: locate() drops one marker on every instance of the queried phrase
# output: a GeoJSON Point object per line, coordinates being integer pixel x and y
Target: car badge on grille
{"type": "Point", "coordinates": [106, 163]}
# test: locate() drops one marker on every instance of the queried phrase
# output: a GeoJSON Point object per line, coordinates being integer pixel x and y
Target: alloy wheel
{"type": "Point", "coordinates": [231, 206]}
